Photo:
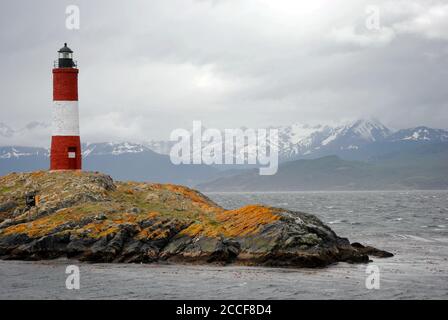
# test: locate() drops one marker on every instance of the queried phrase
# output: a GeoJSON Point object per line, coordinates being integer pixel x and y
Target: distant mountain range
{"type": "Point", "coordinates": [356, 140]}
{"type": "Point", "coordinates": [368, 147]}
{"type": "Point", "coordinates": [423, 167]}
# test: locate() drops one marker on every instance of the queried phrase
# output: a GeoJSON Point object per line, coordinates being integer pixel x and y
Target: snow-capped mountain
{"type": "Point", "coordinates": [358, 139]}
{"type": "Point", "coordinates": [307, 141]}
{"type": "Point", "coordinates": [112, 148]}
{"type": "Point", "coordinates": [88, 150]}
{"type": "Point", "coordinates": [18, 152]}
{"type": "Point", "coordinates": [301, 140]}
{"type": "Point", "coordinates": [365, 140]}
{"type": "Point", "coordinates": [420, 134]}
{"type": "Point", "coordinates": [360, 131]}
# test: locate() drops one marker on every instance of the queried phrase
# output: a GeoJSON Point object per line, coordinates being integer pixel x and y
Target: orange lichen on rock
{"type": "Point", "coordinates": [19, 228]}
{"type": "Point", "coordinates": [234, 223]}
{"type": "Point", "coordinates": [99, 229]}
{"type": "Point", "coordinates": [120, 218]}
{"type": "Point", "coordinates": [131, 203]}
{"type": "Point", "coordinates": [45, 225]}
{"type": "Point", "coordinates": [156, 234]}
{"type": "Point", "coordinates": [246, 220]}
{"type": "Point", "coordinates": [37, 174]}
{"type": "Point", "coordinates": [195, 229]}
{"type": "Point", "coordinates": [152, 215]}
{"type": "Point", "coordinates": [124, 218]}
{"type": "Point", "coordinates": [192, 195]}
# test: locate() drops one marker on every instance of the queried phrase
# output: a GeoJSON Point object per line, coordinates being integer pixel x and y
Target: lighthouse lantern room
{"type": "Point", "coordinates": [65, 142]}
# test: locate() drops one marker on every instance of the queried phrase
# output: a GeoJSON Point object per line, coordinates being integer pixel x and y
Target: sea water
{"type": "Point", "coordinates": [410, 224]}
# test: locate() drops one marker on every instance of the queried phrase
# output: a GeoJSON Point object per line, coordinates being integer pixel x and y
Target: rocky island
{"type": "Point", "coordinates": [90, 217]}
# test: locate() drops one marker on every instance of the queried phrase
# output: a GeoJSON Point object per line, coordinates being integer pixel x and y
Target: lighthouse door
{"type": "Point", "coordinates": [71, 157]}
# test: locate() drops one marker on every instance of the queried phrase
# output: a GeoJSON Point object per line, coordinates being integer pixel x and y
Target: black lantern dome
{"type": "Point", "coordinates": [65, 58]}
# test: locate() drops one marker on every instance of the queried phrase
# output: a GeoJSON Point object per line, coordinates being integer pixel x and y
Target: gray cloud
{"type": "Point", "coordinates": [147, 67]}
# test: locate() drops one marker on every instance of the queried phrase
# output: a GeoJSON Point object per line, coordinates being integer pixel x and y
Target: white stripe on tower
{"type": "Point", "coordinates": [65, 118]}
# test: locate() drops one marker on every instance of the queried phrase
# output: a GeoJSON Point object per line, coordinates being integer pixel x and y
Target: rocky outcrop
{"type": "Point", "coordinates": [88, 216]}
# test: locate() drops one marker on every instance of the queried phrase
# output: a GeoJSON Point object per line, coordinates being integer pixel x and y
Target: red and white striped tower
{"type": "Point", "coordinates": [65, 141]}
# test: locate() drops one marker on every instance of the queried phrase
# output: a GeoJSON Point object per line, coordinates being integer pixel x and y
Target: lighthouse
{"type": "Point", "coordinates": [65, 142]}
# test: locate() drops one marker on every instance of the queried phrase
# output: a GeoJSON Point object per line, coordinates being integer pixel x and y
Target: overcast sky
{"type": "Point", "coordinates": [147, 67]}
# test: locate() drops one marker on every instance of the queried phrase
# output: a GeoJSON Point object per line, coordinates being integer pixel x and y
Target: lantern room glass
{"type": "Point", "coordinates": [65, 55]}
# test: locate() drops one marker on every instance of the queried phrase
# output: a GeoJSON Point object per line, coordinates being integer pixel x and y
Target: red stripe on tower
{"type": "Point", "coordinates": [65, 84]}
{"type": "Point", "coordinates": [65, 142]}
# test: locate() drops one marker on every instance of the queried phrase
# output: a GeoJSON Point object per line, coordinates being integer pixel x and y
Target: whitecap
{"type": "Point", "coordinates": [418, 238]}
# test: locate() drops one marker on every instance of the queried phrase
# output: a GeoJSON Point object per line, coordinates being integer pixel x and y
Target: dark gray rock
{"type": "Point", "coordinates": [368, 250]}
{"type": "Point", "coordinates": [8, 206]}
